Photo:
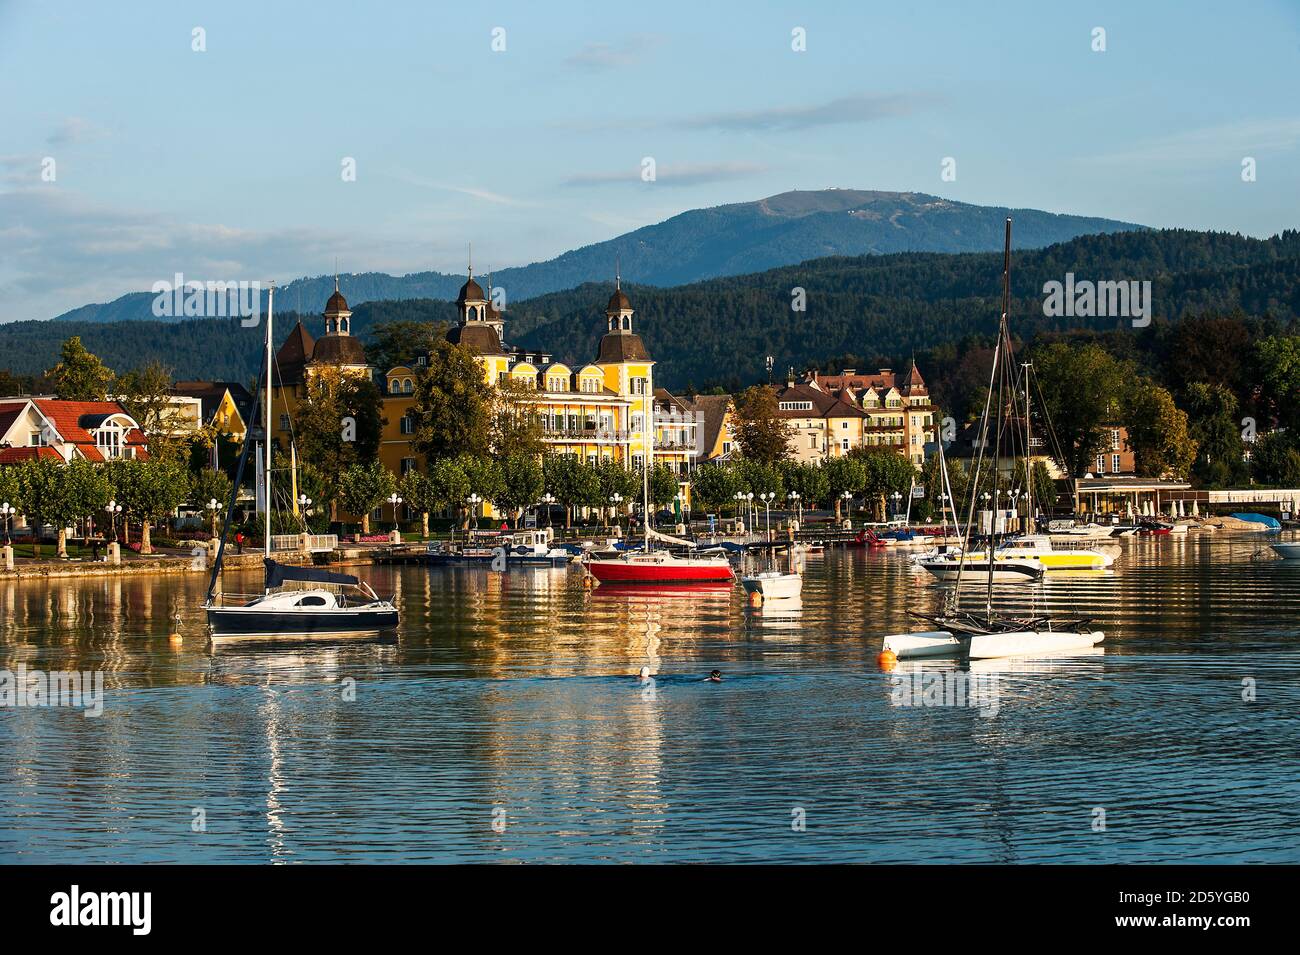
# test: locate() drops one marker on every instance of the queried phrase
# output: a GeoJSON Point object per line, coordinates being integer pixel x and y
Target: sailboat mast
{"type": "Point", "coordinates": [266, 478]}
{"type": "Point", "coordinates": [645, 474]}
{"type": "Point", "coordinates": [1029, 462]}
{"type": "Point", "coordinates": [1004, 335]}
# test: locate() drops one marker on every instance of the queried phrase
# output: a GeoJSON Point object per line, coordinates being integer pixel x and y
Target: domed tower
{"type": "Point", "coordinates": [338, 347]}
{"type": "Point", "coordinates": [480, 325]}
{"type": "Point", "coordinates": [620, 343]}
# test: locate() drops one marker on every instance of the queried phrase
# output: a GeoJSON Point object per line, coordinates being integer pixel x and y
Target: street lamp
{"type": "Point", "coordinates": [6, 512]}
{"type": "Point", "coordinates": [847, 498]}
{"type": "Point", "coordinates": [548, 499]}
{"type": "Point", "coordinates": [474, 501]}
{"type": "Point", "coordinates": [767, 497]}
{"type": "Point", "coordinates": [749, 510]}
{"type": "Point", "coordinates": [794, 496]}
{"type": "Point", "coordinates": [616, 500]}
{"type": "Point", "coordinates": [896, 497]}
{"type": "Point", "coordinates": [113, 508]}
{"type": "Point", "coordinates": [393, 500]}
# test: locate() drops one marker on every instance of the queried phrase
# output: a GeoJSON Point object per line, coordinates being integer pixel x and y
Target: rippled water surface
{"type": "Point", "coordinates": [505, 723]}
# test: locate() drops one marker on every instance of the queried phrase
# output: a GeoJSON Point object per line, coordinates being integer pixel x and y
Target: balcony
{"type": "Point", "coordinates": [588, 435]}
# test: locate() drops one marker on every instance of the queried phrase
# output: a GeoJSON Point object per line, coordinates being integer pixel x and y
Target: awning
{"type": "Point", "coordinates": [277, 574]}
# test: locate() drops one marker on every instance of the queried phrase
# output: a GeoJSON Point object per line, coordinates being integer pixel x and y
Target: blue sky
{"type": "Point", "coordinates": [226, 164]}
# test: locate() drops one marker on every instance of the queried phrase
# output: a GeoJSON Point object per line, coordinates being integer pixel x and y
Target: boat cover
{"type": "Point", "coordinates": [277, 574]}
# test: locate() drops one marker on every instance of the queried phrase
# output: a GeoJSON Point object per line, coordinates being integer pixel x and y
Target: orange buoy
{"type": "Point", "coordinates": [887, 660]}
{"type": "Point", "coordinates": [176, 638]}
{"type": "Point", "coordinates": [586, 581]}
{"type": "Point", "coordinates": [755, 598]}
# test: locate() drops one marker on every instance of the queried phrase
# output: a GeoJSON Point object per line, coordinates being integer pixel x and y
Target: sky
{"type": "Point", "coordinates": [128, 155]}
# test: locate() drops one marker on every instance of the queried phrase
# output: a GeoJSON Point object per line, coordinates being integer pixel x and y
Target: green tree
{"type": "Point", "coordinates": [1081, 386]}
{"type": "Point", "coordinates": [762, 433]}
{"type": "Point", "coordinates": [1278, 367]}
{"type": "Point", "coordinates": [363, 488]}
{"type": "Point", "coordinates": [208, 485]}
{"type": "Point", "coordinates": [844, 474]}
{"type": "Point", "coordinates": [1275, 461]}
{"type": "Point", "coordinates": [338, 423]}
{"type": "Point", "coordinates": [663, 485]}
{"type": "Point", "coordinates": [1157, 432]}
{"type": "Point", "coordinates": [148, 490]}
{"type": "Point", "coordinates": [572, 482]}
{"type": "Point", "coordinates": [146, 395]}
{"type": "Point", "coordinates": [449, 482]}
{"type": "Point", "coordinates": [80, 375]}
{"type": "Point", "coordinates": [522, 484]}
{"type": "Point", "coordinates": [516, 427]}
{"type": "Point", "coordinates": [420, 493]}
{"type": "Point", "coordinates": [453, 407]}
{"type": "Point", "coordinates": [1212, 417]}
{"type": "Point", "coordinates": [615, 478]}
{"type": "Point", "coordinates": [714, 485]}
{"type": "Point", "coordinates": [484, 475]}
{"type": "Point", "coordinates": [885, 473]}
{"type": "Point", "coordinates": [808, 480]}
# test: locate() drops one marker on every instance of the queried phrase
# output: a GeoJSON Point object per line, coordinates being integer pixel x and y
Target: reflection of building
{"type": "Point", "coordinates": [50, 427]}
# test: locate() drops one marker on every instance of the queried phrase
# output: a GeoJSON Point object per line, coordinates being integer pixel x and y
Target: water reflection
{"type": "Point", "coordinates": [507, 722]}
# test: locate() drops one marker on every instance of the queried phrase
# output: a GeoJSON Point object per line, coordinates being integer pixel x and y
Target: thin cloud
{"type": "Point", "coordinates": [861, 108]}
{"type": "Point", "coordinates": [74, 130]}
{"type": "Point", "coordinates": [597, 57]}
{"type": "Point", "coordinates": [473, 192]}
{"type": "Point", "coordinates": [684, 174]}
{"type": "Point", "coordinates": [1227, 141]}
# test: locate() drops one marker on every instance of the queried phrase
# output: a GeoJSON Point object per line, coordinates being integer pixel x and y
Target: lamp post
{"type": "Point", "coordinates": [766, 497]}
{"type": "Point", "coordinates": [394, 500]}
{"type": "Point", "coordinates": [113, 508]}
{"type": "Point", "coordinates": [7, 513]}
{"type": "Point", "coordinates": [474, 501]}
{"type": "Point", "coordinates": [749, 510]}
{"type": "Point", "coordinates": [616, 500]}
{"type": "Point", "coordinates": [794, 498]}
{"type": "Point", "coordinates": [896, 498]}
{"type": "Point", "coordinates": [548, 499]}
{"type": "Point", "coordinates": [1015, 503]}
{"type": "Point", "coordinates": [738, 497]}
{"type": "Point", "coordinates": [847, 498]}
{"type": "Point", "coordinates": [680, 498]}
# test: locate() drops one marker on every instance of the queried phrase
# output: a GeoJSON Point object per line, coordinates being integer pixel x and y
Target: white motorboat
{"type": "Point", "coordinates": [1289, 550]}
{"type": "Point", "coordinates": [1068, 530]}
{"type": "Point", "coordinates": [773, 584]}
{"type": "Point", "coordinates": [986, 646]}
{"type": "Point", "coordinates": [976, 569]}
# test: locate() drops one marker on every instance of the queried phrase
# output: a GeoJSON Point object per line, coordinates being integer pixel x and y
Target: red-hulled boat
{"type": "Point", "coordinates": [660, 567]}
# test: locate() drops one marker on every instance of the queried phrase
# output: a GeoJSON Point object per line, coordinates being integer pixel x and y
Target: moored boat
{"type": "Point", "coordinates": [660, 567]}
{"type": "Point", "coordinates": [773, 584]}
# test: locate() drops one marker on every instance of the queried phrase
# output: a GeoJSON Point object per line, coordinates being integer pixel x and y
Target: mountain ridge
{"type": "Point", "coordinates": [714, 242]}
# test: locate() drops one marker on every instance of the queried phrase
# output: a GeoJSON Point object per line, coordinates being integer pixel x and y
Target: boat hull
{"type": "Point", "coordinates": [1003, 571]}
{"type": "Point", "coordinates": [232, 623]}
{"type": "Point", "coordinates": [623, 572]}
{"type": "Point", "coordinates": [1290, 550]}
{"type": "Point", "coordinates": [774, 588]}
{"type": "Point", "coordinates": [986, 646]}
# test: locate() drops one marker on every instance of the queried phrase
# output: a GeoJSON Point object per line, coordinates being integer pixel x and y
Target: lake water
{"type": "Point", "coordinates": [506, 724]}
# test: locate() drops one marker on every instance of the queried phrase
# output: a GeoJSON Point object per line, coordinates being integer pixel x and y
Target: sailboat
{"type": "Point", "coordinates": [659, 566]}
{"type": "Point", "coordinates": [986, 634]}
{"type": "Point", "coordinates": [333, 605]}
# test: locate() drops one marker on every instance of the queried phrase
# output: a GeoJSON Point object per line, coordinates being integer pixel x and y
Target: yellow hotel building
{"type": "Point", "coordinates": [604, 409]}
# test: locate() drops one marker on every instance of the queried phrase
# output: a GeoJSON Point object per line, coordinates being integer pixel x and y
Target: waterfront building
{"type": "Point", "coordinates": [600, 410]}
{"type": "Point", "coordinates": [896, 413]}
{"type": "Point", "coordinates": [224, 406]}
{"type": "Point", "coordinates": [96, 431]}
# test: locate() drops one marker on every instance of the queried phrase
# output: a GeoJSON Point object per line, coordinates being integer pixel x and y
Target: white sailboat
{"type": "Point", "coordinates": [337, 605]}
{"type": "Point", "coordinates": [989, 634]}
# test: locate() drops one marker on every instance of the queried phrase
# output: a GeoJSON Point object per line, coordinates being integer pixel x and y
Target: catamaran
{"type": "Point", "coordinates": [989, 633]}
{"type": "Point", "coordinates": [332, 606]}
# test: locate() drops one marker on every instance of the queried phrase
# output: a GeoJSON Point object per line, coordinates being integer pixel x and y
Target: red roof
{"type": "Point", "coordinates": [74, 421]}
{"type": "Point", "coordinates": [14, 455]}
